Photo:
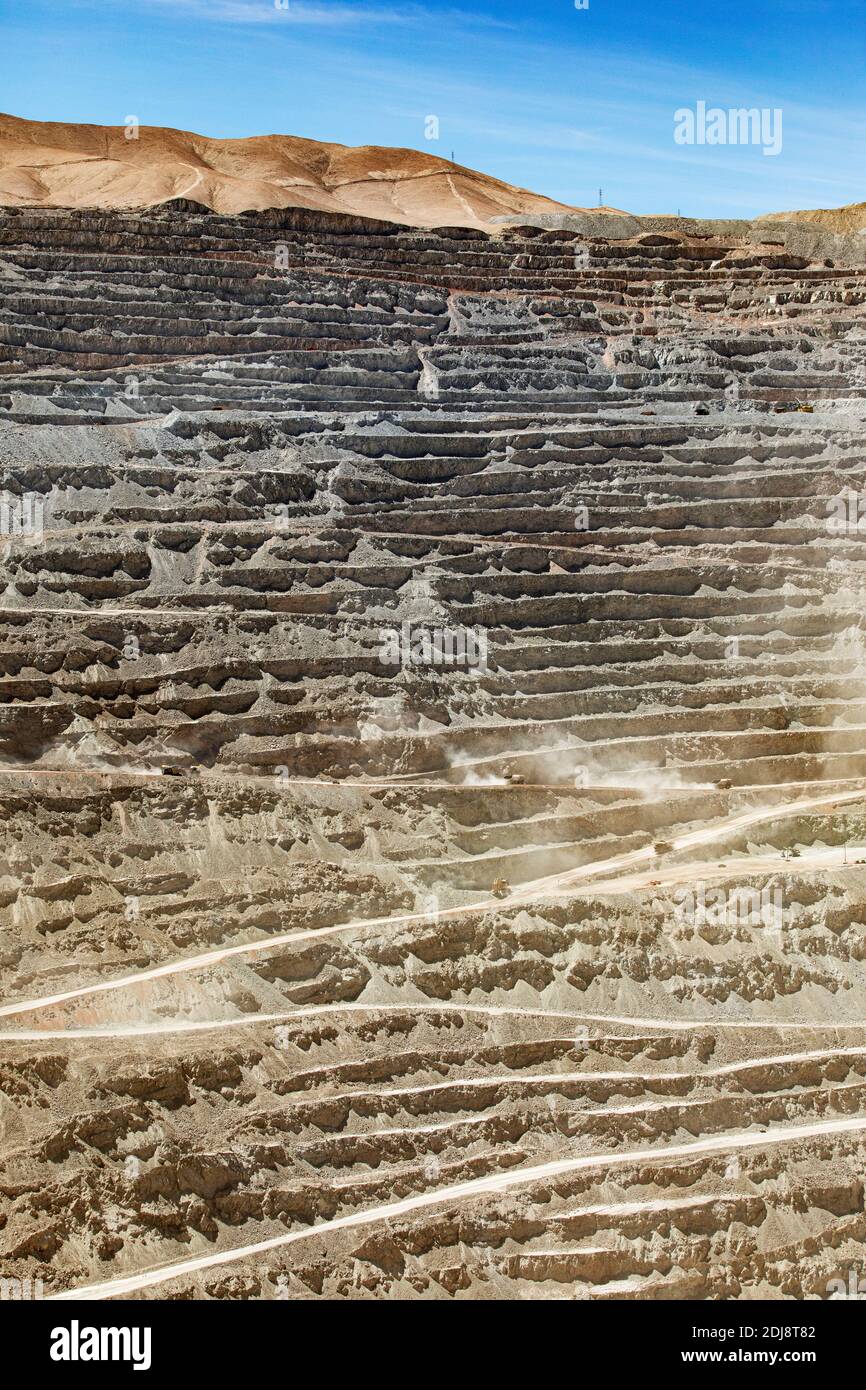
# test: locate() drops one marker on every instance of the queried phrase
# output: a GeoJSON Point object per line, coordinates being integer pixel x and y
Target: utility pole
{"type": "Point", "coordinates": [600, 199]}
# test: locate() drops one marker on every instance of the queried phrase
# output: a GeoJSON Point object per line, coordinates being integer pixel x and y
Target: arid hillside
{"type": "Point", "coordinates": [851, 218]}
{"type": "Point", "coordinates": [48, 164]}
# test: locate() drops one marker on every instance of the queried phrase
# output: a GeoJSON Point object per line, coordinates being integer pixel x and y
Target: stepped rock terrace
{"type": "Point", "coordinates": [394, 990]}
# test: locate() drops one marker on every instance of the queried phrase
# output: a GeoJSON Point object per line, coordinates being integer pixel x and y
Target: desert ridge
{"type": "Point", "coordinates": [55, 164]}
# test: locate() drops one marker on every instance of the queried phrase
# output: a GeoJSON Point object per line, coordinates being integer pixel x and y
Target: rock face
{"type": "Point", "coordinates": [431, 561]}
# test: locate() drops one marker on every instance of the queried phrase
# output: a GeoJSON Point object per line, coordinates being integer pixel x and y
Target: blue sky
{"type": "Point", "coordinates": [541, 94]}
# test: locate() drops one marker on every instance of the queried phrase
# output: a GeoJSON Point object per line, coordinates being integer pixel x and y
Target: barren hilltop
{"type": "Point", "coordinates": [850, 218]}
{"type": "Point", "coordinates": [45, 164]}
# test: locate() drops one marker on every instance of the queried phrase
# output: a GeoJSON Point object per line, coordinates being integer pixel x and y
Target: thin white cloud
{"type": "Point", "coordinates": [309, 14]}
{"type": "Point", "coordinates": [267, 12]}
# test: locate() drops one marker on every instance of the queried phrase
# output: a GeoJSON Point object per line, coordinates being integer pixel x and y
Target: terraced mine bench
{"type": "Point", "coordinates": [242, 1007]}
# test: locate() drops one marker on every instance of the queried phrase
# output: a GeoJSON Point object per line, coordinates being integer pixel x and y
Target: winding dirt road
{"type": "Point", "coordinates": [476, 1187]}
{"type": "Point", "coordinates": [534, 889]}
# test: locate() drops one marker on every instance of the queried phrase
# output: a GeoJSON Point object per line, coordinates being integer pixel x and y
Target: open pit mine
{"type": "Point", "coordinates": [432, 772]}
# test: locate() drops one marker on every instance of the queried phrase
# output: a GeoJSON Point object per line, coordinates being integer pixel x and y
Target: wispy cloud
{"type": "Point", "coordinates": [534, 135]}
{"type": "Point", "coordinates": [322, 15]}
